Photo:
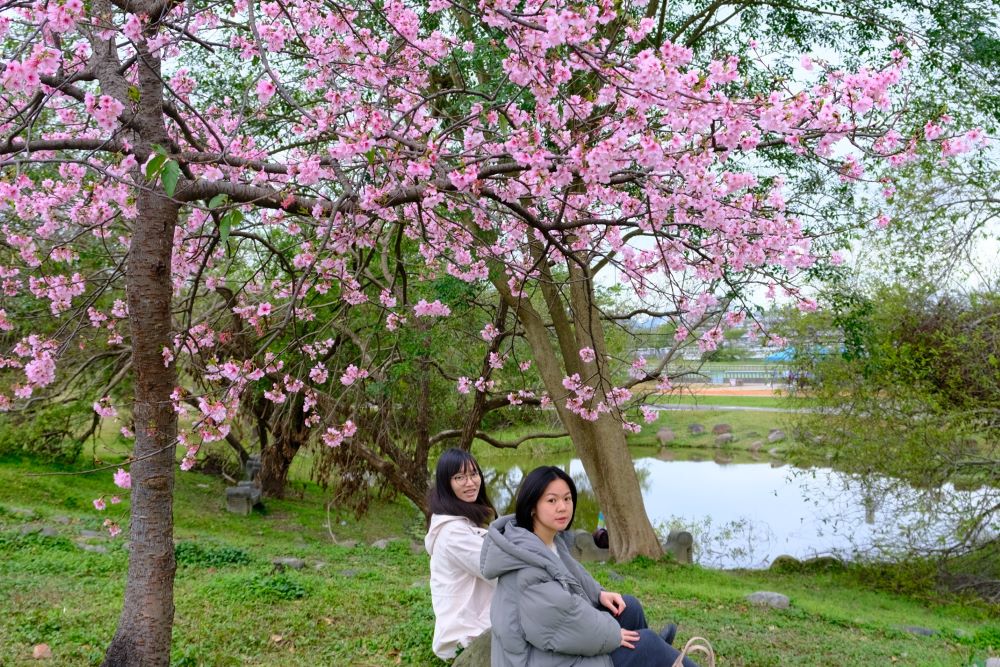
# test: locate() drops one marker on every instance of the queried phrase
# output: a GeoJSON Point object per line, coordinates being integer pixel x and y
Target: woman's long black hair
{"type": "Point", "coordinates": [442, 499]}
{"type": "Point", "coordinates": [533, 488]}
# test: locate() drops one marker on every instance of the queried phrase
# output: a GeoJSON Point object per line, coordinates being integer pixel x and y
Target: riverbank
{"type": "Point", "coordinates": [361, 597]}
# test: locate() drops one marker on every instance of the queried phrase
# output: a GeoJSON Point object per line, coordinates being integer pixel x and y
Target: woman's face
{"type": "Point", "coordinates": [554, 509]}
{"type": "Point", "coordinates": [466, 483]}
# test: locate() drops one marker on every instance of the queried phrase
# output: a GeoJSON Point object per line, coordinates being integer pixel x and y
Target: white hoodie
{"type": "Point", "coordinates": [459, 593]}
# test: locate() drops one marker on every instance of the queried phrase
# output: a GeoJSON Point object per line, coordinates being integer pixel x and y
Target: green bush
{"type": "Point", "coordinates": [197, 555]}
{"type": "Point", "coordinates": [50, 434]}
{"type": "Point", "coordinates": [274, 587]}
{"type": "Point", "coordinates": [253, 588]}
{"type": "Point", "coordinates": [987, 638]}
{"type": "Point", "coordinates": [15, 542]}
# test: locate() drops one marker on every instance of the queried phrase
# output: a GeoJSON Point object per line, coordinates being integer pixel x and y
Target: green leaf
{"type": "Point", "coordinates": [154, 166]}
{"type": "Point", "coordinates": [218, 200]}
{"type": "Point", "coordinates": [233, 217]}
{"type": "Point", "coordinates": [159, 150]}
{"type": "Point", "coordinates": [171, 174]}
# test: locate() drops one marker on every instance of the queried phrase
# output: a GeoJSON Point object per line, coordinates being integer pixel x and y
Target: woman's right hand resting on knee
{"type": "Point", "coordinates": [629, 638]}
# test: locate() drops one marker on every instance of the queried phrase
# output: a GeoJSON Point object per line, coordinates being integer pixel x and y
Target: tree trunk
{"type": "Point", "coordinates": [601, 445]}
{"type": "Point", "coordinates": [144, 627]}
{"type": "Point", "coordinates": [275, 462]}
{"type": "Point", "coordinates": [604, 452]}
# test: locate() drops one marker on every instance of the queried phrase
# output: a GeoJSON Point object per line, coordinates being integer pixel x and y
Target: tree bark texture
{"type": "Point", "coordinates": [601, 444]}
{"type": "Point", "coordinates": [144, 628]}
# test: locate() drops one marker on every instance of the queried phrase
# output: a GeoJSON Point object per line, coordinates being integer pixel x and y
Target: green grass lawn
{"type": "Point", "coordinates": [361, 605]}
{"type": "Point", "coordinates": [748, 427]}
{"type": "Point", "coordinates": [778, 402]}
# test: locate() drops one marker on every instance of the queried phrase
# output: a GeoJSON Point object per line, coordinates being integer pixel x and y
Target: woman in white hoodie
{"type": "Point", "coordinates": [461, 512]}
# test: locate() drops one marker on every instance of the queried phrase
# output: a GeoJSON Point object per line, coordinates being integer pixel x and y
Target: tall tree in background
{"type": "Point", "coordinates": [143, 139]}
{"type": "Point", "coordinates": [913, 402]}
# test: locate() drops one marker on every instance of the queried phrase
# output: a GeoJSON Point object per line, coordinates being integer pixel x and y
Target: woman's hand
{"type": "Point", "coordinates": [613, 602]}
{"type": "Point", "coordinates": [629, 638]}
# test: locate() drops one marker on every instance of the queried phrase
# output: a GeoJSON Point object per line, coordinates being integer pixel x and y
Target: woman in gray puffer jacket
{"type": "Point", "coordinates": [547, 609]}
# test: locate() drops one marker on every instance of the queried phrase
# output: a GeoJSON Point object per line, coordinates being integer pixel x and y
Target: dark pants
{"type": "Point", "coordinates": [650, 650]}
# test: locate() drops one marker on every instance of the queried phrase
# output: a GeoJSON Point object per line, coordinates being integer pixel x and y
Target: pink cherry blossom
{"type": "Point", "coordinates": [352, 375]}
{"type": "Point", "coordinates": [123, 479]}
{"type": "Point", "coordinates": [433, 309]}
{"type": "Point", "coordinates": [489, 332]}
{"type": "Point", "coordinates": [114, 530]}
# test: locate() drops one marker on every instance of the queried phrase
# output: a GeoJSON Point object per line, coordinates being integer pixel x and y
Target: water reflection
{"type": "Point", "coordinates": [746, 514]}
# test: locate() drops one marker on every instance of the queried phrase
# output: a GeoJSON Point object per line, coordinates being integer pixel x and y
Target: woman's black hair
{"type": "Point", "coordinates": [531, 490]}
{"type": "Point", "coordinates": [442, 498]}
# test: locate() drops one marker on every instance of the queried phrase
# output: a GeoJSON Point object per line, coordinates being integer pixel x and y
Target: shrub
{"type": "Point", "coordinates": [197, 555]}
{"type": "Point", "coordinates": [50, 434]}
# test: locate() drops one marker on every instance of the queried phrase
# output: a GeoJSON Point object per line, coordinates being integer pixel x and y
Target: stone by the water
{"type": "Point", "coordinates": [719, 429]}
{"type": "Point", "coordinates": [680, 545]}
{"type": "Point", "coordinates": [723, 439]}
{"type": "Point", "coordinates": [583, 549]}
{"type": "Point", "coordinates": [696, 429]}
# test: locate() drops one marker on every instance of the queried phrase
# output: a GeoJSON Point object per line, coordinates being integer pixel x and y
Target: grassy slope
{"type": "Point", "coordinates": [365, 606]}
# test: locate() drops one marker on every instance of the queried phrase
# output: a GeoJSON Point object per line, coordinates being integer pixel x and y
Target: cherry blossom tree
{"type": "Point", "coordinates": [148, 146]}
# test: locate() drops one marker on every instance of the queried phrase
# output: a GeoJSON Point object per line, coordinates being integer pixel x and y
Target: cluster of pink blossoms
{"type": "Point", "coordinates": [656, 187]}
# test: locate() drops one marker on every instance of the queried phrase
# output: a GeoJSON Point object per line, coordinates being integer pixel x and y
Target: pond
{"type": "Point", "coordinates": [746, 514]}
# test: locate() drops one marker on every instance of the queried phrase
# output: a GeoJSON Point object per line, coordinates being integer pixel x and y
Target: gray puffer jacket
{"type": "Point", "coordinates": [545, 610]}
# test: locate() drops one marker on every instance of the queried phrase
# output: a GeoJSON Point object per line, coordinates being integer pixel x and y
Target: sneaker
{"type": "Point", "coordinates": [668, 633]}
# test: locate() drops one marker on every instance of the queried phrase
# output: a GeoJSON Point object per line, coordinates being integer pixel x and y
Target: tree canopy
{"type": "Point", "coordinates": [185, 180]}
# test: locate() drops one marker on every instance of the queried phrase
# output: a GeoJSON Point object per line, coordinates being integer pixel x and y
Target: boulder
{"type": "Point", "coordinates": [769, 599]}
{"type": "Point", "coordinates": [383, 543]}
{"type": "Point", "coordinates": [993, 662]}
{"type": "Point", "coordinates": [775, 435]}
{"type": "Point", "coordinates": [680, 545]}
{"type": "Point", "coordinates": [41, 652]}
{"type": "Point", "coordinates": [917, 630]}
{"type": "Point", "coordinates": [756, 446]}
{"type": "Point", "coordinates": [719, 429]}
{"type": "Point", "coordinates": [665, 436]}
{"type": "Point", "coordinates": [289, 562]}
{"type": "Point", "coordinates": [582, 547]}
{"type": "Point", "coordinates": [696, 429]}
{"type": "Point", "coordinates": [477, 653]}
{"type": "Point", "coordinates": [724, 439]}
